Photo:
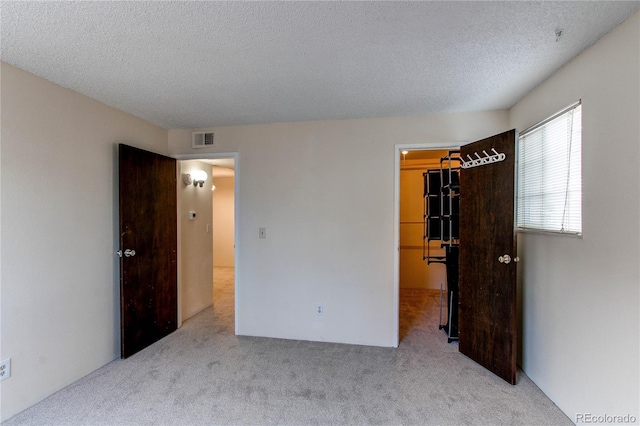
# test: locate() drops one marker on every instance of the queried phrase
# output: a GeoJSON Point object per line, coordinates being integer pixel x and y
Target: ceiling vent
{"type": "Point", "coordinates": [201, 139]}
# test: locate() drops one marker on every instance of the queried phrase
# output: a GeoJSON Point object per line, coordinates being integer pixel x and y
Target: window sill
{"type": "Point", "coordinates": [550, 233]}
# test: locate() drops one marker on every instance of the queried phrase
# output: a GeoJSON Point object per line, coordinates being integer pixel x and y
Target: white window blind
{"type": "Point", "coordinates": [550, 174]}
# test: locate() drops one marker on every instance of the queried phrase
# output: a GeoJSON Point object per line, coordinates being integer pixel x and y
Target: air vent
{"type": "Point", "coordinates": [202, 139]}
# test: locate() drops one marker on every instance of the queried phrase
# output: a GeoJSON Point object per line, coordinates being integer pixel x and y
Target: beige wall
{"type": "Point", "coordinates": [325, 193]}
{"type": "Point", "coordinates": [196, 247]}
{"type": "Point", "coordinates": [414, 271]}
{"type": "Point", "coordinates": [580, 296]}
{"type": "Point", "coordinates": [60, 281]}
{"type": "Point", "coordinates": [223, 222]}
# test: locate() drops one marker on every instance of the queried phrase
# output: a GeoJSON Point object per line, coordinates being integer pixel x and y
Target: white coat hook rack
{"type": "Point", "coordinates": [481, 161]}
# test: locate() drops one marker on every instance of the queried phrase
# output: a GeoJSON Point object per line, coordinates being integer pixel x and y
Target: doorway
{"type": "Point", "coordinates": [485, 192]}
{"type": "Point", "coordinates": [213, 263]}
{"type": "Point", "coordinates": [417, 283]}
{"type": "Point", "coordinates": [223, 236]}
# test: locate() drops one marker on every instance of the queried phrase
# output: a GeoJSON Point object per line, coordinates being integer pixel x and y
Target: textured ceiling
{"type": "Point", "coordinates": [202, 64]}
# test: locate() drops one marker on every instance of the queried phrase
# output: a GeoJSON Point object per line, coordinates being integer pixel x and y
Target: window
{"type": "Point", "coordinates": [550, 174]}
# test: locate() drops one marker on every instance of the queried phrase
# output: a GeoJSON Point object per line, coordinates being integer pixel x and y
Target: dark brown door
{"type": "Point", "coordinates": [148, 242]}
{"type": "Point", "coordinates": [487, 327]}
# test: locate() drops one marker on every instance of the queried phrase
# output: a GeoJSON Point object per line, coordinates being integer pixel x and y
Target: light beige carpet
{"type": "Point", "coordinates": [418, 306]}
{"type": "Point", "coordinates": [205, 375]}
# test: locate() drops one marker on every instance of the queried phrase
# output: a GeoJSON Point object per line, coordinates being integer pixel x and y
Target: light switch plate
{"type": "Point", "coordinates": [5, 369]}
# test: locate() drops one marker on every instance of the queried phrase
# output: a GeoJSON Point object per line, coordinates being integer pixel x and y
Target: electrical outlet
{"type": "Point", "coordinates": [319, 309]}
{"type": "Point", "coordinates": [5, 369]}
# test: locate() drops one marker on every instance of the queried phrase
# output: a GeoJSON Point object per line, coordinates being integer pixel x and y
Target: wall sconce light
{"type": "Point", "coordinates": [197, 178]}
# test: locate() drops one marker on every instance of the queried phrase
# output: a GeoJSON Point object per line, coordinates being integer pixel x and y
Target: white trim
{"type": "Point", "coordinates": [207, 156]}
{"type": "Point", "coordinates": [236, 209]}
{"type": "Point", "coordinates": [396, 223]}
{"type": "Point", "coordinates": [179, 242]}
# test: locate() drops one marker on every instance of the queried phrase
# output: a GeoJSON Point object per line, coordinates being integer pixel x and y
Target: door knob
{"type": "Point", "coordinates": [507, 259]}
{"type": "Point", "coordinates": [127, 253]}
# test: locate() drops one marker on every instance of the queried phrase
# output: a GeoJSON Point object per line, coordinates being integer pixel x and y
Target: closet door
{"type": "Point", "coordinates": [487, 323]}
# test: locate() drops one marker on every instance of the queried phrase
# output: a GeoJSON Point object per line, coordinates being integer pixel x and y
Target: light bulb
{"type": "Point", "coordinates": [199, 176]}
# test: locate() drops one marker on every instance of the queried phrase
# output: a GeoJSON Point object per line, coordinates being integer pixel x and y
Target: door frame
{"type": "Point", "coordinates": [236, 203]}
{"type": "Point", "coordinates": [396, 221]}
